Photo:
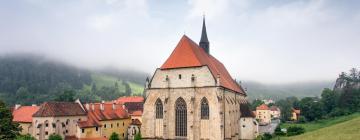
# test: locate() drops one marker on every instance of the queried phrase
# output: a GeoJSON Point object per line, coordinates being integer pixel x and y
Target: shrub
{"type": "Point", "coordinates": [302, 119]}
{"type": "Point", "coordinates": [25, 137]}
{"type": "Point", "coordinates": [114, 136]}
{"type": "Point", "coordinates": [339, 112]}
{"type": "Point", "coordinates": [266, 136]}
{"type": "Point", "coordinates": [55, 137]}
{"type": "Point", "coordinates": [278, 131]}
{"type": "Point", "coordinates": [137, 136]}
{"type": "Point", "coordinates": [295, 130]}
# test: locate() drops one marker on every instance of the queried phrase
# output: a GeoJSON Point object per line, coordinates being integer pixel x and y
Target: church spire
{"type": "Point", "coordinates": [204, 42]}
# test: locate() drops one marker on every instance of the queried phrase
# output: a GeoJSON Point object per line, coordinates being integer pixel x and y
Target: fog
{"type": "Point", "coordinates": [268, 41]}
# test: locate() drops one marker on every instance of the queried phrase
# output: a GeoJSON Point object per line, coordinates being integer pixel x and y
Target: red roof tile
{"type": "Point", "coordinates": [188, 54]}
{"type": "Point", "coordinates": [24, 113]}
{"type": "Point", "coordinates": [136, 122]}
{"type": "Point", "coordinates": [262, 107]}
{"type": "Point", "coordinates": [123, 100]}
{"type": "Point", "coordinates": [55, 109]}
{"type": "Point", "coordinates": [97, 115]}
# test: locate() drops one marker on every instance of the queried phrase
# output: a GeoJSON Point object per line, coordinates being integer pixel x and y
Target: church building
{"type": "Point", "coordinates": [192, 96]}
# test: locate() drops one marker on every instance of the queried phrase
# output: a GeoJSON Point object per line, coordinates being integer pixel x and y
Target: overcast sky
{"type": "Point", "coordinates": [270, 41]}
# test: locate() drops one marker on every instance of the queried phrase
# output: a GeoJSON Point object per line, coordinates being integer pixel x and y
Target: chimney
{"type": "Point", "coordinates": [113, 106]}
{"type": "Point", "coordinates": [124, 107]}
{"type": "Point", "coordinates": [218, 80]}
{"type": "Point", "coordinates": [102, 105]}
{"type": "Point", "coordinates": [17, 106]}
{"type": "Point", "coordinates": [87, 106]}
{"type": "Point", "coordinates": [93, 107]}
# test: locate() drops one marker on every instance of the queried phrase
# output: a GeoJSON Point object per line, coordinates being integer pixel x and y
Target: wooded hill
{"type": "Point", "coordinates": [29, 79]}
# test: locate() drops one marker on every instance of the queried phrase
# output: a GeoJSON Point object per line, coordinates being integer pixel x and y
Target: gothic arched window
{"type": "Point", "coordinates": [180, 117]}
{"type": "Point", "coordinates": [159, 109]}
{"type": "Point", "coordinates": [204, 108]}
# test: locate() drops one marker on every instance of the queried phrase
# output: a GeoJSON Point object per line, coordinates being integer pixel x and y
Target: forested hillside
{"type": "Point", "coordinates": [28, 79]}
{"type": "Point", "coordinates": [257, 90]}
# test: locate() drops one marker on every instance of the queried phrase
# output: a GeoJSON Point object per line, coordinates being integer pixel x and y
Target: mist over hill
{"type": "Point", "coordinates": [28, 79]}
{"type": "Point", "coordinates": [258, 90]}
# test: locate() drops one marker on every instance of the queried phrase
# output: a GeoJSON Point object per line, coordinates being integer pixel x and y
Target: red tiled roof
{"type": "Point", "coordinates": [188, 54]}
{"type": "Point", "coordinates": [274, 108]}
{"type": "Point", "coordinates": [97, 115]}
{"type": "Point", "coordinates": [262, 107]}
{"type": "Point", "coordinates": [136, 113]}
{"type": "Point", "coordinates": [123, 100]}
{"type": "Point", "coordinates": [24, 113]}
{"type": "Point", "coordinates": [55, 109]}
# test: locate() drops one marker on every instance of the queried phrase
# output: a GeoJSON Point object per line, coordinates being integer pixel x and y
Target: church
{"type": "Point", "coordinates": [192, 96]}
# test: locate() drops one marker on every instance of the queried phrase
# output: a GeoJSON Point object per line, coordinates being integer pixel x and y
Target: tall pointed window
{"type": "Point", "coordinates": [180, 117]}
{"type": "Point", "coordinates": [159, 109]}
{"type": "Point", "coordinates": [204, 108]}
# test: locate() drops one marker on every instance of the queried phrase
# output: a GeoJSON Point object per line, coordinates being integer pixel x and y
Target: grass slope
{"type": "Point", "coordinates": [102, 80]}
{"type": "Point", "coordinates": [311, 126]}
{"type": "Point", "coordinates": [348, 130]}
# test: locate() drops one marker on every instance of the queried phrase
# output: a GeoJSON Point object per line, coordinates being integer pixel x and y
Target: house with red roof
{"type": "Point", "coordinates": [103, 119]}
{"type": "Point", "coordinates": [133, 104]}
{"type": "Point", "coordinates": [263, 114]}
{"type": "Point", "coordinates": [193, 96]}
{"type": "Point", "coordinates": [23, 116]}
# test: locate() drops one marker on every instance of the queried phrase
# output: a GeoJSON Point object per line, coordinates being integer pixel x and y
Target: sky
{"type": "Point", "coordinates": [269, 41]}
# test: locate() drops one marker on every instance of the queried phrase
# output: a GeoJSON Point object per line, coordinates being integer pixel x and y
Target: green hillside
{"type": "Point", "coordinates": [103, 80]}
{"type": "Point", "coordinates": [348, 130]}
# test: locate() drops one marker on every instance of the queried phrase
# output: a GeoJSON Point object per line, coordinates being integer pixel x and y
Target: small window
{"type": "Point", "coordinates": [243, 126]}
{"type": "Point", "coordinates": [66, 131]}
{"type": "Point", "coordinates": [46, 133]}
{"type": "Point", "coordinates": [179, 76]}
{"type": "Point", "coordinates": [97, 128]}
{"type": "Point", "coordinates": [104, 125]}
{"type": "Point", "coordinates": [82, 130]}
{"type": "Point", "coordinates": [123, 135]}
{"type": "Point", "coordinates": [123, 124]}
{"type": "Point", "coordinates": [111, 125]}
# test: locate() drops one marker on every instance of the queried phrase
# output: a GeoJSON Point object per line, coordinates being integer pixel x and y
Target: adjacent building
{"type": "Point", "coordinates": [263, 114]}
{"type": "Point", "coordinates": [275, 112]}
{"type": "Point", "coordinates": [23, 116]}
{"type": "Point", "coordinates": [104, 119]}
{"type": "Point", "coordinates": [134, 106]}
{"type": "Point", "coordinates": [57, 118]}
{"type": "Point", "coordinates": [192, 96]}
{"type": "Point", "coordinates": [295, 114]}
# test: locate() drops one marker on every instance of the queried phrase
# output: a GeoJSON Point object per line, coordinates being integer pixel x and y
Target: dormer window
{"type": "Point", "coordinates": [179, 76]}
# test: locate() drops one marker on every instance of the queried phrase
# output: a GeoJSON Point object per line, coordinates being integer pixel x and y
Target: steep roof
{"type": "Point", "coordinates": [24, 113]}
{"type": "Point", "coordinates": [127, 99]}
{"type": "Point", "coordinates": [262, 107]}
{"type": "Point", "coordinates": [297, 111]}
{"type": "Point", "coordinates": [56, 109]}
{"type": "Point", "coordinates": [188, 54]}
{"type": "Point", "coordinates": [96, 115]}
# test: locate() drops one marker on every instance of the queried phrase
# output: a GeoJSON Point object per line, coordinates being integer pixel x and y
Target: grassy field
{"type": "Point", "coordinates": [339, 128]}
{"type": "Point", "coordinates": [105, 80]}
{"type": "Point", "coordinates": [349, 130]}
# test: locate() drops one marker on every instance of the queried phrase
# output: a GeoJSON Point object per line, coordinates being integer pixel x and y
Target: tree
{"type": "Point", "coordinates": [66, 96]}
{"type": "Point", "coordinates": [329, 99]}
{"type": "Point", "coordinates": [114, 136]}
{"type": "Point", "coordinates": [127, 88]}
{"type": "Point", "coordinates": [55, 137]}
{"type": "Point", "coordinates": [8, 129]}
{"type": "Point", "coordinates": [256, 103]}
{"type": "Point", "coordinates": [295, 130]}
{"type": "Point", "coordinates": [311, 109]}
{"type": "Point", "coordinates": [25, 137]}
{"type": "Point", "coordinates": [286, 108]}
